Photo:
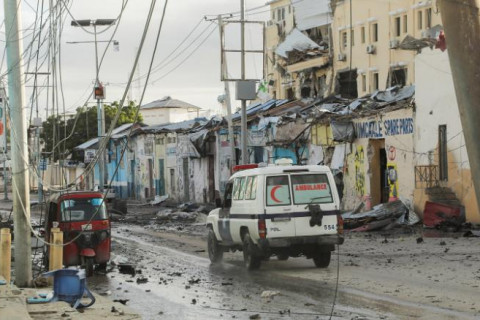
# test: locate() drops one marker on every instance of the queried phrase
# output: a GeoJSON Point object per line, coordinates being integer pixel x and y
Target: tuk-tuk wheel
{"type": "Point", "coordinates": [89, 267]}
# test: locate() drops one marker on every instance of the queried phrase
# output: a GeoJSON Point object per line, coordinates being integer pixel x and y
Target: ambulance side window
{"type": "Point", "coordinates": [228, 195]}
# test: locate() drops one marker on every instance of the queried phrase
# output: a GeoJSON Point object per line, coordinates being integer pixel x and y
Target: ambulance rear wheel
{"type": "Point", "coordinates": [215, 251]}
{"type": "Point", "coordinates": [251, 259]}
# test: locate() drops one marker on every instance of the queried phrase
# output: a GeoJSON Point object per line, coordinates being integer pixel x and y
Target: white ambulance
{"type": "Point", "coordinates": [281, 210]}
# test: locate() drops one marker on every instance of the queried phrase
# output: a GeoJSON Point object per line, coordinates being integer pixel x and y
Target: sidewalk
{"type": "Point", "coordinates": [13, 306]}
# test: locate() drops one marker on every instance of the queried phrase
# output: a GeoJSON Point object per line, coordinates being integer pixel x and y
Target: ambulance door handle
{"type": "Point", "coordinates": [287, 209]}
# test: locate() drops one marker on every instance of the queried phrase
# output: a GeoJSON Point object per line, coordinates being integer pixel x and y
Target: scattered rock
{"type": "Point", "coordinates": [122, 301]}
{"type": "Point", "coordinates": [126, 269]}
{"type": "Point", "coordinates": [194, 301]}
{"type": "Point", "coordinates": [255, 316]}
{"type": "Point", "coordinates": [443, 243]}
{"type": "Point", "coordinates": [227, 284]}
{"type": "Point", "coordinates": [419, 240]}
{"type": "Point", "coordinates": [142, 280]}
{"type": "Point", "coordinates": [268, 294]}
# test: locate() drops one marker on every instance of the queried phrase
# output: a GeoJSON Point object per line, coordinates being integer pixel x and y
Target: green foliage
{"type": "Point", "coordinates": [84, 126]}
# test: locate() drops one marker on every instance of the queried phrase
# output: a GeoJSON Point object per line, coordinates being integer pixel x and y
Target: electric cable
{"type": "Point", "coordinates": [123, 99]}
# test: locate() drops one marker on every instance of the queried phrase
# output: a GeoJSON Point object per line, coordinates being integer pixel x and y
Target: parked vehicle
{"type": "Point", "coordinates": [84, 220]}
{"type": "Point", "coordinates": [283, 210]}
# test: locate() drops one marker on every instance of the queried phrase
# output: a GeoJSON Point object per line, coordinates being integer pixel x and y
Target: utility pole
{"type": "Point", "coordinates": [99, 94]}
{"type": "Point", "coordinates": [19, 138]}
{"type": "Point", "coordinates": [462, 32]}
{"type": "Point", "coordinates": [227, 94]}
{"type": "Point", "coordinates": [244, 130]}
{"type": "Point", "coordinates": [3, 103]}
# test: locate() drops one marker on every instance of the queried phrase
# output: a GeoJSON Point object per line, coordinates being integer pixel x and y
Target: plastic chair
{"type": "Point", "coordinates": [69, 285]}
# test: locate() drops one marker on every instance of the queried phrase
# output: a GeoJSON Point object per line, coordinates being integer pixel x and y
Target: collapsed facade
{"type": "Point", "coordinates": [365, 94]}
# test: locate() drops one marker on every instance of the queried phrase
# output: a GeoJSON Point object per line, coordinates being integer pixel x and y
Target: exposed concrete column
{"type": "Point", "coordinates": [462, 32]}
{"type": "Point", "coordinates": [5, 253]}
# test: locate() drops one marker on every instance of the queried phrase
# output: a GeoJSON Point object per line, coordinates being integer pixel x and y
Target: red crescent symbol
{"type": "Point", "coordinates": [272, 194]}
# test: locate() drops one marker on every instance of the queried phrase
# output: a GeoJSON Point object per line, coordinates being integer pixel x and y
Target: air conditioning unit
{"type": "Point", "coordinates": [394, 44]}
{"type": "Point", "coordinates": [342, 57]}
{"type": "Point", "coordinates": [371, 49]}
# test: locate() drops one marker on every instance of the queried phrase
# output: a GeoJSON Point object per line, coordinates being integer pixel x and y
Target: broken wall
{"type": "Point", "coordinates": [382, 141]}
{"type": "Point", "coordinates": [437, 105]}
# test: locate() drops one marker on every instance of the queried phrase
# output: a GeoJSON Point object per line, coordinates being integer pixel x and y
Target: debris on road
{"type": "Point", "coordinates": [158, 200]}
{"type": "Point", "coordinates": [382, 216]}
{"type": "Point", "coordinates": [268, 294]}
{"type": "Point", "coordinates": [127, 269]}
{"type": "Point", "coordinates": [443, 216]}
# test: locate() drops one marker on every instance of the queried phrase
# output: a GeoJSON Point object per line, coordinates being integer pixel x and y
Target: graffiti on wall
{"type": "Point", "coordinates": [360, 171]}
{"type": "Point", "coordinates": [392, 174]}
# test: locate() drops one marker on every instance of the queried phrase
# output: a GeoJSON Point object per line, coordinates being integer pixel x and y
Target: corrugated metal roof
{"type": "Point", "coordinates": [178, 126]}
{"type": "Point", "coordinates": [115, 132]}
{"type": "Point", "coordinates": [312, 13]}
{"type": "Point", "coordinates": [295, 40]}
{"type": "Point", "coordinates": [260, 107]}
{"type": "Point", "coordinates": [168, 102]}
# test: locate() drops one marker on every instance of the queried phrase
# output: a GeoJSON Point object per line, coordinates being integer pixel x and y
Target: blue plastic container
{"type": "Point", "coordinates": [69, 285]}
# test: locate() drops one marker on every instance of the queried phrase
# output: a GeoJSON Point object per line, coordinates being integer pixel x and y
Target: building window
{"type": "Point", "coordinates": [289, 9]}
{"type": "Point", "coordinates": [273, 14]}
{"type": "Point", "coordinates": [283, 13]}
{"type": "Point", "coordinates": [344, 39]}
{"type": "Point", "coordinates": [442, 152]}
{"type": "Point", "coordinates": [419, 20]}
{"type": "Point", "coordinates": [362, 34]}
{"type": "Point", "coordinates": [352, 37]}
{"type": "Point", "coordinates": [375, 81]}
{"type": "Point", "coordinates": [375, 32]}
{"type": "Point", "coordinates": [347, 82]}
{"type": "Point", "coordinates": [364, 82]}
{"type": "Point", "coordinates": [397, 27]}
{"type": "Point", "coordinates": [405, 24]}
{"type": "Point", "coordinates": [428, 18]}
{"type": "Point", "coordinates": [398, 77]}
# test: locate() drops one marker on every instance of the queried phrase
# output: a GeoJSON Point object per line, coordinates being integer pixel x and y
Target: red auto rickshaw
{"type": "Point", "coordinates": [84, 220]}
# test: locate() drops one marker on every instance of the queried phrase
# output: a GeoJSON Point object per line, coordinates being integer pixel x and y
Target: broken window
{"type": "Point", "coordinates": [305, 92]}
{"type": "Point", "coordinates": [442, 152]}
{"type": "Point", "coordinates": [347, 82]}
{"type": "Point", "coordinates": [290, 94]}
{"type": "Point", "coordinates": [364, 83]}
{"type": "Point", "coordinates": [419, 20]}
{"type": "Point", "coordinates": [397, 27]}
{"type": "Point", "coordinates": [398, 77]}
{"type": "Point", "coordinates": [322, 86]}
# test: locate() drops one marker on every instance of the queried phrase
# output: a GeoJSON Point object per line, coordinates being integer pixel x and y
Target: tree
{"type": "Point", "coordinates": [81, 128]}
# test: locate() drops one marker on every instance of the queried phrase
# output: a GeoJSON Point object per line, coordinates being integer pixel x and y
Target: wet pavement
{"type": "Point", "coordinates": [171, 284]}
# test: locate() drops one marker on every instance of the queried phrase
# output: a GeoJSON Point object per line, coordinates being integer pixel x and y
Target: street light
{"type": "Point", "coordinates": [98, 90]}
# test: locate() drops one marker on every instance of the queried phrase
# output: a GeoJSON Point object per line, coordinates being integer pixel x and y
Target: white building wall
{"type": "Point", "coordinates": [437, 105]}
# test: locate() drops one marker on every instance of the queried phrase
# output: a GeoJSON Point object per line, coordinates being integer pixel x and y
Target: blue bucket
{"type": "Point", "coordinates": [69, 285]}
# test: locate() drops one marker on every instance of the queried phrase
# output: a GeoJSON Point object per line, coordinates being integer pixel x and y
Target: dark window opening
{"type": "Point", "coordinates": [290, 94]}
{"type": "Point", "coordinates": [347, 82]}
{"type": "Point", "coordinates": [397, 27]}
{"type": "Point", "coordinates": [442, 152]}
{"type": "Point", "coordinates": [305, 92]}
{"type": "Point", "coordinates": [398, 77]}
{"type": "Point", "coordinates": [375, 32]}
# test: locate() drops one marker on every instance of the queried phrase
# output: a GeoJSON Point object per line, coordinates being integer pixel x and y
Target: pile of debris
{"type": "Point", "coordinates": [384, 216]}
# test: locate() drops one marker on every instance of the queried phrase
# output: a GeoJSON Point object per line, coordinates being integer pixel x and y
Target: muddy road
{"type": "Point", "coordinates": [174, 280]}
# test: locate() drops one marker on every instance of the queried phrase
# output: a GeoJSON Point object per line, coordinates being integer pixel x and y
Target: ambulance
{"type": "Point", "coordinates": [278, 210]}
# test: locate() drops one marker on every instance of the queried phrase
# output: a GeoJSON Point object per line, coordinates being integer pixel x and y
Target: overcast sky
{"type": "Point", "coordinates": [195, 80]}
